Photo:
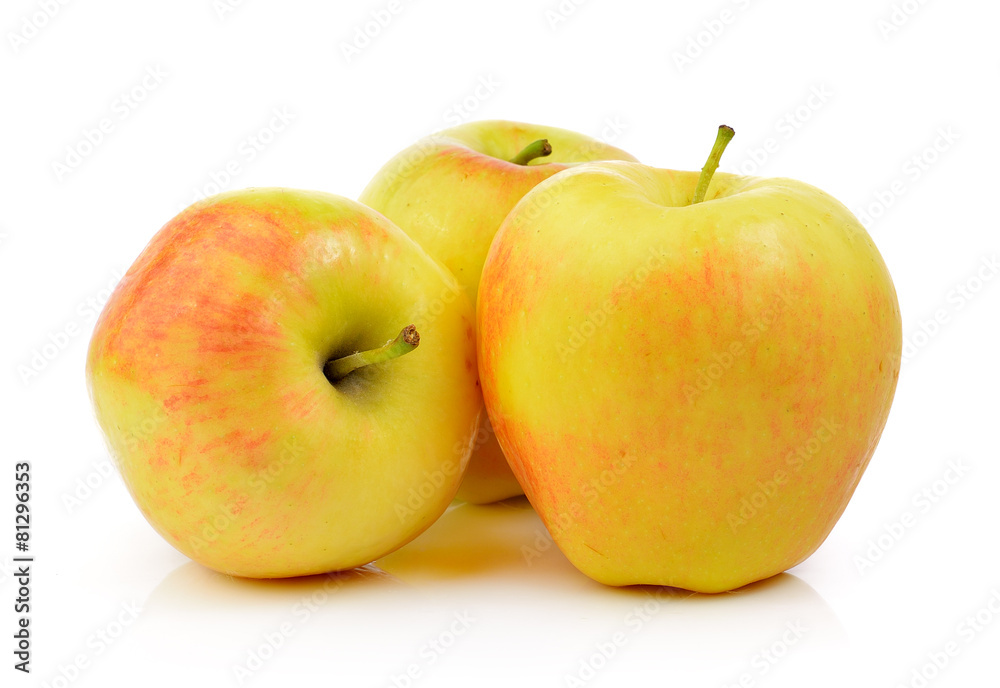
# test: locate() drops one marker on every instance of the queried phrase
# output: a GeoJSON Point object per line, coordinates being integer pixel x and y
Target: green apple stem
{"type": "Point", "coordinates": [537, 149]}
{"type": "Point", "coordinates": [406, 342]}
{"type": "Point", "coordinates": [712, 164]}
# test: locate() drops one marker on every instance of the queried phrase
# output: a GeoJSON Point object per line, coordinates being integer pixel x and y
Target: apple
{"type": "Point", "coordinates": [450, 192]}
{"type": "Point", "coordinates": [687, 373]}
{"type": "Point", "coordinates": [242, 379]}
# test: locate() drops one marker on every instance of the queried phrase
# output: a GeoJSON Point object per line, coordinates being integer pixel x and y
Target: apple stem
{"type": "Point", "coordinates": [406, 342]}
{"type": "Point", "coordinates": [712, 164]}
{"type": "Point", "coordinates": [536, 149]}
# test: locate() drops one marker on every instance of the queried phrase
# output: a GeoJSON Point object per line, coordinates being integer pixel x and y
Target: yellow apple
{"type": "Point", "coordinates": [689, 390]}
{"type": "Point", "coordinates": [238, 375]}
{"type": "Point", "coordinates": [450, 192]}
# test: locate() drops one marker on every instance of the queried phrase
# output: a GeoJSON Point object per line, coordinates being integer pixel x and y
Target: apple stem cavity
{"type": "Point", "coordinates": [726, 134]}
{"type": "Point", "coordinates": [536, 149]}
{"type": "Point", "coordinates": [407, 341]}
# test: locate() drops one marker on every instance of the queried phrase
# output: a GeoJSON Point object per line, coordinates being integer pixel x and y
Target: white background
{"type": "Point", "coordinates": [896, 120]}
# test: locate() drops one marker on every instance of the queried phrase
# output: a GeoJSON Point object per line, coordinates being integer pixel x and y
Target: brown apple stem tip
{"type": "Point", "coordinates": [340, 368]}
{"type": "Point", "coordinates": [712, 164]}
{"type": "Point", "coordinates": [536, 149]}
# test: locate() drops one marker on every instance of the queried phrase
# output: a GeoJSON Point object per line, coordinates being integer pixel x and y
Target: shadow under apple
{"type": "Point", "coordinates": [475, 541]}
{"type": "Point", "coordinates": [498, 564]}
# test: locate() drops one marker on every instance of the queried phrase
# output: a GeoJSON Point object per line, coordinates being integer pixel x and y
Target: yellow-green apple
{"type": "Point", "coordinates": [450, 192]}
{"type": "Point", "coordinates": [688, 373]}
{"type": "Point", "coordinates": [239, 375]}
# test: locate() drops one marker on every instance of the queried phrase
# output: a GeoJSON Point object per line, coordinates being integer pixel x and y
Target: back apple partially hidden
{"type": "Point", "coordinates": [450, 192]}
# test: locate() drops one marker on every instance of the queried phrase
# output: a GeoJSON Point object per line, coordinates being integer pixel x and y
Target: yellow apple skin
{"type": "Point", "coordinates": [206, 373]}
{"type": "Point", "coordinates": [599, 311]}
{"type": "Point", "coordinates": [450, 192]}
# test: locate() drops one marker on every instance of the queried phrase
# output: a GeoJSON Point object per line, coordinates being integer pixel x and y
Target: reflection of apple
{"type": "Point", "coordinates": [450, 192]}
{"type": "Point", "coordinates": [689, 391]}
{"type": "Point", "coordinates": [206, 369]}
